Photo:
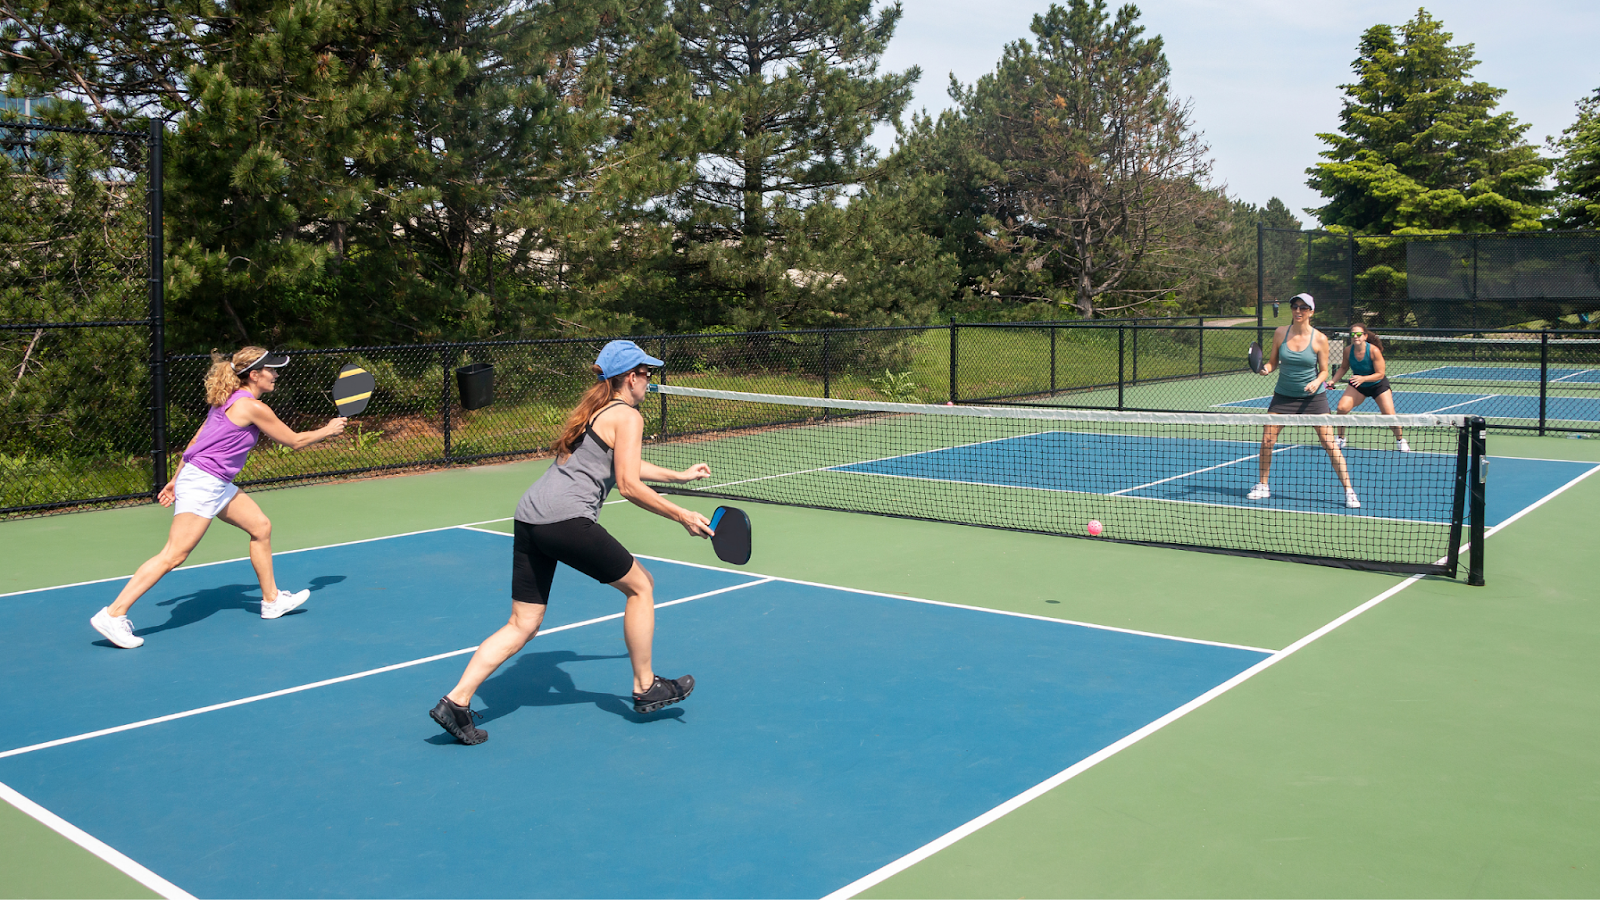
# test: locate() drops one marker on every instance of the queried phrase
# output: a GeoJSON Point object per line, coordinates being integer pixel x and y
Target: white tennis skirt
{"type": "Point", "coordinates": [202, 493]}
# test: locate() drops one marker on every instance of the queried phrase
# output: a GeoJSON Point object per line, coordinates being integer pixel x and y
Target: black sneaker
{"type": "Point", "coordinates": [458, 721]}
{"type": "Point", "coordinates": [663, 693]}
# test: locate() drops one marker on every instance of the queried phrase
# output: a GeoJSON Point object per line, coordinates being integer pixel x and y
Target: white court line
{"type": "Point", "coordinates": [276, 554]}
{"type": "Point", "coordinates": [1231, 462]}
{"type": "Point", "coordinates": [1464, 402]}
{"type": "Point", "coordinates": [999, 612]}
{"type": "Point", "coordinates": [1044, 787]}
{"type": "Point", "coordinates": [94, 845]}
{"type": "Point", "coordinates": [342, 678]}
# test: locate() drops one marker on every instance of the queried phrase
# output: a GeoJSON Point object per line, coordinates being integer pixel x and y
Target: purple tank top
{"type": "Point", "coordinates": [221, 447]}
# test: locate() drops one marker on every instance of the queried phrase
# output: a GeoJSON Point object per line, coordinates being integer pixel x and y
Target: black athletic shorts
{"type": "Point", "coordinates": [1311, 405]}
{"type": "Point", "coordinates": [1373, 388]}
{"type": "Point", "coordinates": [580, 543]}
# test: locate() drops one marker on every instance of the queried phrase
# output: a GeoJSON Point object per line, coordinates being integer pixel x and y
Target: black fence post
{"type": "Point", "coordinates": [1544, 377]}
{"type": "Point", "coordinates": [825, 385]}
{"type": "Point", "coordinates": [1202, 369]}
{"type": "Point", "coordinates": [1053, 330]}
{"type": "Point", "coordinates": [663, 377]}
{"type": "Point", "coordinates": [955, 395]}
{"type": "Point", "coordinates": [446, 358]}
{"type": "Point", "coordinates": [1480, 475]}
{"type": "Point", "coordinates": [158, 321]}
{"type": "Point", "coordinates": [1135, 378]}
{"type": "Point", "coordinates": [1121, 361]}
{"type": "Point", "coordinates": [1350, 277]}
{"type": "Point", "coordinates": [1261, 280]}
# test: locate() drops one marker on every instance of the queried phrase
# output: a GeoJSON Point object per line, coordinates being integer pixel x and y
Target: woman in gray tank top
{"type": "Point", "coordinates": [557, 520]}
{"type": "Point", "coordinates": [1300, 356]}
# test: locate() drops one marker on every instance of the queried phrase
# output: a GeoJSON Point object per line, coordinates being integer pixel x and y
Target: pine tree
{"type": "Point", "coordinates": [1095, 183]}
{"type": "Point", "coordinates": [1577, 168]}
{"type": "Point", "coordinates": [797, 82]}
{"type": "Point", "coordinates": [1421, 148]}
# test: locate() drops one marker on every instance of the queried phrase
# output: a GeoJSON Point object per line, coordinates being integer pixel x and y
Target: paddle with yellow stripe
{"type": "Point", "coordinates": [352, 389]}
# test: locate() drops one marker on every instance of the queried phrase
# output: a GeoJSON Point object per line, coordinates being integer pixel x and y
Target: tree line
{"type": "Point", "coordinates": [391, 171]}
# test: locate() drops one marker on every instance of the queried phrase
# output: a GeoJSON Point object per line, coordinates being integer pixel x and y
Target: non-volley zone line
{"type": "Point", "coordinates": [157, 720]}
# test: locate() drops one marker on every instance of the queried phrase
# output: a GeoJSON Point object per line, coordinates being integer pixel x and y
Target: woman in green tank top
{"type": "Point", "coordinates": [1300, 357]}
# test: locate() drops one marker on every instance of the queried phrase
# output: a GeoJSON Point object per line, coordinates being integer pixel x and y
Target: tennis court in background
{"type": "Point", "coordinates": [838, 734]}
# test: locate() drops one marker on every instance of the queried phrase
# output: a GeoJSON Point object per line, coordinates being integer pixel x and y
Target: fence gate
{"type": "Point", "coordinates": [81, 367]}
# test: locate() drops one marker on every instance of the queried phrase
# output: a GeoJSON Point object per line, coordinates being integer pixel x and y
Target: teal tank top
{"type": "Point", "coordinates": [1296, 370]}
{"type": "Point", "coordinates": [1361, 366]}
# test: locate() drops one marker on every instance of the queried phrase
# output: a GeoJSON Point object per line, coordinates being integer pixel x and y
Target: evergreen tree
{"type": "Point", "coordinates": [1421, 148]}
{"type": "Point", "coordinates": [798, 83]}
{"type": "Point", "coordinates": [1577, 168]}
{"type": "Point", "coordinates": [1095, 180]}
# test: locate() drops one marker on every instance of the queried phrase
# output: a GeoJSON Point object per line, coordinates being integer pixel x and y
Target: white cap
{"type": "Point", "coordinates": [1310, 301]}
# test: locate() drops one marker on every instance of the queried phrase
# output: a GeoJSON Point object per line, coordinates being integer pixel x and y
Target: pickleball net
{"type": "Point", "coordinates": [1168, 479]}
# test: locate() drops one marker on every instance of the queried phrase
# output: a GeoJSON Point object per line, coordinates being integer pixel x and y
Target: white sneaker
{"type": "Point", "coordinates": [285, 602]}
{"type": "Point", "coordinates": [1341, 443]}
{"type": "Point", "coordinates": [1404, 447]}
{"type": "Point", "coordinates": [1259, 492]}
{"type": "Point", "coordinates": [1351, 500]}
{"type": "Point", "coordinates": [116, 629]}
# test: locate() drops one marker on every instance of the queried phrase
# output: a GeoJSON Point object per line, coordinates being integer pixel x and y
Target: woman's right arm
{"type": "Point", "coordinates": [1272, 356]}
{"type": "Point", "coordinates": [627, 441]}
{"type": "Point", "coordinates": [261, 415]}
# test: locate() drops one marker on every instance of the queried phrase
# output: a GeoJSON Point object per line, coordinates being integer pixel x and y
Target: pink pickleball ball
{"type": "Point", "coordinates": [1095, 527]}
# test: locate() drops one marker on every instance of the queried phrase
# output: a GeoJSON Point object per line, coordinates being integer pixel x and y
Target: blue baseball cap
{"type": "Point", "coordinates": [618, 357]}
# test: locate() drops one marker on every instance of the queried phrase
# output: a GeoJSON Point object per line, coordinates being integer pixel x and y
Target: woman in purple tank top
{"type": "Point", "coordinates": [202, 488]}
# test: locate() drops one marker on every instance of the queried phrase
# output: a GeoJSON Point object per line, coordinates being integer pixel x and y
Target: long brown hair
{"type": "Point", "coordinates": [223, 377]}
{"type": "Point", "coordinates": [593, 401]}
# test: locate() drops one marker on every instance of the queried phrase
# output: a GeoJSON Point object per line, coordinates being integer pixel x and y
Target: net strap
{"type": "Point", "coordinates": [1070, 415]}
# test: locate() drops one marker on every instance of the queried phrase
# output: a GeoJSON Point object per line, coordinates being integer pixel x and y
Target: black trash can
{"type": "Point", "coordinates": [476, 383]}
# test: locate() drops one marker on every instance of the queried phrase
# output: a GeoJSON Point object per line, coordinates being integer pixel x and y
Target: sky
{"type": "Point", "coordinates": [1264, 75]}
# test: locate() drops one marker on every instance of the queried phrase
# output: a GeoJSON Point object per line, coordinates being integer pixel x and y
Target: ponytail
{"type": "Point", "coordinates": [223, 377]}
{"type": "Point", "coordinates": [593, 401]}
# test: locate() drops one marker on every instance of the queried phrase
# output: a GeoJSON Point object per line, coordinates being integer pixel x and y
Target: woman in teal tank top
{"type": "Point", "coordinates": [1300, 357]}
{"type": "Point", "coordinates": [1368, 378]}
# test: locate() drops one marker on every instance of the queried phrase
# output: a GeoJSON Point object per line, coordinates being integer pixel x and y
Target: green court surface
{"type": "Point", "coordinates": [1439, 743]}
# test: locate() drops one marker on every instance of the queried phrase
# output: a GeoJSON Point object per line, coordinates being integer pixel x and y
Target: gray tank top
{"type": "Point", "coordinates": [1297, 369]}
{"type": "Point", "coordinates": [573, 489]}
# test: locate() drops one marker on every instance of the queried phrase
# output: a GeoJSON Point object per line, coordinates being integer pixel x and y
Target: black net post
{"type": "Point", "coordinates": [1458, 503]}
{"type": "Point", "coordinates": [955, 395]}
{"type": "Point", "coordinates": [1479, 477]}
{"type": "Point", "coordinates": [158, 323]}
{"type": "Point", "coordinates": [1544, 377]}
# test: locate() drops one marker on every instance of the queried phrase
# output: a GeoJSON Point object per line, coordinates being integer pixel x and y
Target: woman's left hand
{"type": "Point", "coordinates": [168, 494]}
{"type": "Point", "coordinates": [694, 473]}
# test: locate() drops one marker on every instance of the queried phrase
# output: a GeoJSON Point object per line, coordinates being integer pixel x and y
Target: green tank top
{"type": "Point", "coordinates": [1297, 369]}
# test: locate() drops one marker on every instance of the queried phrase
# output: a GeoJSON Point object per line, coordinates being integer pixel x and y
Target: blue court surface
{"type": "Point", "coordinates": [1489, 406]}
{"type": "Point", "coordinates": [1505, 373]}
{"type": "Point", "coordinates": [1221, 473]}
{"type": "Point", "coordinates": [831, 732]}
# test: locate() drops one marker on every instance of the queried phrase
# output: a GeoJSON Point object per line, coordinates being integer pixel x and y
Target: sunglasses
{"type": "Point", "coordinates": [1356, 334]}
{"type": "Point", "coordinates": [1298, 306]}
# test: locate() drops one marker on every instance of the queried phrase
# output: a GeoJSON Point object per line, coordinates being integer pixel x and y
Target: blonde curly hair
{"type": "Point", "coordinates": [223, 378]}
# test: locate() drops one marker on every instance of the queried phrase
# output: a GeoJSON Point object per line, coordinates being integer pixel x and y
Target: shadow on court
{"type": "Point", "coordinates": [537, 679]}
{"type": "Point", "coordinates": [197, 606]}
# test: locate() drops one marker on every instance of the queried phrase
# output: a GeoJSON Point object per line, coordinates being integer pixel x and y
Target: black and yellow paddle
{"type": "Point", "coordinates": [352, 389]}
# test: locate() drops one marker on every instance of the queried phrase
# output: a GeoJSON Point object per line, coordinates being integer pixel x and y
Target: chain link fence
{"type": "Point", "coordinates": [1535, 280]}
{"type": "Point", "coordinates": [79, 316]}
